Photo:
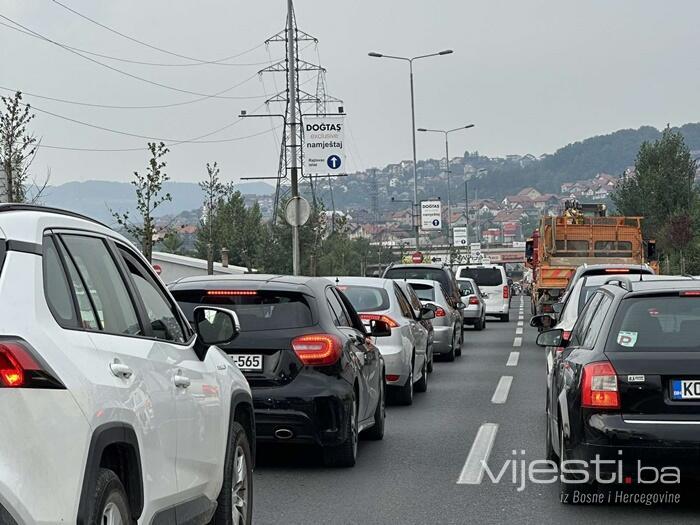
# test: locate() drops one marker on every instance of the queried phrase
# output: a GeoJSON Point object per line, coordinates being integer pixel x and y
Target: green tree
{"type": "Point", "coordinates": [208, 236]}
{"type": "Point", "coordinates": [172, 243]}
{"type": "Point", "coordinates": [149, 186]}
{"type": "Point", "coordinates": [663, 191]}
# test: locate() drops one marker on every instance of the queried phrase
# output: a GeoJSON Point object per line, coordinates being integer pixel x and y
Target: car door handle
{"type": "Point", "coordinates": [121, 370]}
{"type": "Point", "coordinates": [181, 381]}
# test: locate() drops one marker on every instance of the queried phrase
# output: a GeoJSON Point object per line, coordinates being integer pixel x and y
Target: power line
{"type": "Point", "coordinates": [126, 73]}
{"type": "Point", "coordinates": [141, 42]}
{"type": "Point", "coordinates": [146, 63]}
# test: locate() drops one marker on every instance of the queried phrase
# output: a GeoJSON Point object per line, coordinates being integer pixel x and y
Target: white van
{"type": "Point", "coordinates": [492, 280]}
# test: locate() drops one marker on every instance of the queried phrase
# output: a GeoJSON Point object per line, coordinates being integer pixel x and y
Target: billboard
{"type": "Point", "coordinates": [431, 215]}
{"type": "Point", "coordinates": [324, 145]}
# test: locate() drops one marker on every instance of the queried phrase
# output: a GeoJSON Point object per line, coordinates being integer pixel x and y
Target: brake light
{"type": "Point", "coordinates": [617, 270]}
{"type": "Point", "coordinates": [690, 293]}
{"type": "Point", "coordinates": [231, 292]}
{"type": "Point", "coordinates": [600, 386]}
{"type": "Point", "coordinates": [317, 349]}
{"type": "Point", "coordinates": [440, 312]}
{"type": "Point", "coordinates": [473, 299]}
{"type": "Point", "coordinates": [392, 377]}
{"type": "Point", "coordinates": [506, 291]}
{"type": "Point", "coordinates": [20, 369]}
{"type": "Point", "coordinates": [377, 317]}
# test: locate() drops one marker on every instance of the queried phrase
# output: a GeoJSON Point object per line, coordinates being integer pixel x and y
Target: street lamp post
{"type": "Point", "coordinates": [447, 132]}
{"type": "Point", "coordinates": [410, 61]}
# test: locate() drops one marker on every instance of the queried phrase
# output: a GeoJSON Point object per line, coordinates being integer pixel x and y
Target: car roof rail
{"type": "Point", "coordinates": [623, 282]}
{"type": "Point", "coordinates": [6, 207]}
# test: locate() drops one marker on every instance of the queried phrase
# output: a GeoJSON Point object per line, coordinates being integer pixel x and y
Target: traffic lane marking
{"type": "Point", "coordinates": [520, 323]}
{"type": "Point", "coordinates": [518, 341]}
{"type": "Point", "coordinates": [473, 469]}
{"type": "Point", "coordinates": [519, 330]}
{"type": "Point", "coordinates": [513, 359]}
{"type": "Point", "coordinates": [500, 395]}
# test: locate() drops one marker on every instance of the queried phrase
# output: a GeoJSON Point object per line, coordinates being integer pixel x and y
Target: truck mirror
{"type": "Point", "coordinates": [651, 250]}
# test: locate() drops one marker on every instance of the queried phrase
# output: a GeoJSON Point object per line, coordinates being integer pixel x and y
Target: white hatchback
{"type": "Point", "coordinates": [493, 283]}
{"type": "Point", "coordinates": [114, 409]}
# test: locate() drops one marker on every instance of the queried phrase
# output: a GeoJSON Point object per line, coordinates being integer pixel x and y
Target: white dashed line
{"type": "Point", "coordinates": [500, 396]}
{"type": "Point", "coordinates": [519, 331]}
{"type": "Point", "coordinates": [520, 323]}
{"type": "Point", "coordinates": [473, 470]}
{"type": "Point", "coordinates": [518, 341]}
{"type": "Point", "coordinates": [513, 359]}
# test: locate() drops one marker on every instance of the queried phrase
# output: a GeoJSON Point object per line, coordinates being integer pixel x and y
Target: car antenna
{"type": "Point", "coordinates": [337, 280]}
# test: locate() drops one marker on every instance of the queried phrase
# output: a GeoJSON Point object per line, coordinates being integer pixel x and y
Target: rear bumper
{"type": "Point", "coordinates": [397, 361]}
{"type": "Point", "coordinates": [633, 444]}
{"type": "Point", "coordinates": [498, 309]}
{"type": "Point", "coordinates": [471, 314]}
{"type": "Point", "coordinates": [304, 411]}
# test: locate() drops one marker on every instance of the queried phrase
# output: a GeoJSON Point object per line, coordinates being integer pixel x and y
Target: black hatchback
{"type": "Point", "coordinates": [623, 403]}
{"type": "Point", "coordinates": [315, 375]}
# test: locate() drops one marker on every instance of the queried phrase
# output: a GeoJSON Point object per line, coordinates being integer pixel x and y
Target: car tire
{"type": "Point", "coordinates": [550, 454]}
{"type": "Point", "coordinates": [430, 363]}
{"type": "Point", "coordinates": [376, 432]}
{"type": "Point", "coordinates": [458, 345]}
{"type": "Point", "coordinates": [422, 383]}
{"type": "Point", "coordinates": [109, 498]}
{"type": "Point", "coordinates": [404, 394]}
{"type": "Point", "coordinates": [479, 325]}
{"type": "Point", "coordinates": [506, 318]}
{"type": "Point", "coordinates": [345, 454]}
{"type": "Point", "coordinates": [235, 501]}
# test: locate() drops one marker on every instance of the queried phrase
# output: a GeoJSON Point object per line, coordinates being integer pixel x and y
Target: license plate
{"type": "Point", "coordinates": [685, 389]}
{"type": "Point", "coordinates": [248, 361]}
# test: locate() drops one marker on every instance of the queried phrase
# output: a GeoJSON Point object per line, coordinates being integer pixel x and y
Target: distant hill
{"type": "Point", "coordinates": [95, 198]}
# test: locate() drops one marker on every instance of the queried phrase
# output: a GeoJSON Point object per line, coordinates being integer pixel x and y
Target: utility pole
{"type": "Point", "coordinates": [466, 206]}
{"type": "Point", "coordinates": [292, 77]}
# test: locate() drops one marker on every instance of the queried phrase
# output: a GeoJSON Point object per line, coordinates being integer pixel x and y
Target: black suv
{"type": "Point", "coordinates": [625, 388]}
{"type": "Point", "coordinates": [434, 272]}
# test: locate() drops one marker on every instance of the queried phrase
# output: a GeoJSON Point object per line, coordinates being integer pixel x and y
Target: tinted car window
{"type": "Point", "coordinates": [403, 303]}
{"type": "Point", "coordinates": [425, 292]}
{"type": "Point", "coordinates": [256, 310]}
{"type": "Point", "coordinates": [162, 316]}
{"type": "Point", "coordinates": [366, 298]}
{"type": "Point", "coordinates": [594, 328]}
{"type": "Point", "coordinates": [106, 291]}
{"type": "Point", "coordinates": [429, 274]}
{"type": "Point", "coordinates": [466, 288]}
{"type": "Point", "coordinates": [58, 294]}
{"type": "Point", "coordinates": [584, 321]}
{"type": "Point", "coordinates": [483, 276]}
{"type": "Point", "coordinates": [337, 308]}
{"type": "Point", "coordinates": [657, 323]}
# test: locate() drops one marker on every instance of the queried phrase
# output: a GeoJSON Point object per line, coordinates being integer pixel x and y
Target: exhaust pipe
{"type": "Point", "coordinates": [284, 434]}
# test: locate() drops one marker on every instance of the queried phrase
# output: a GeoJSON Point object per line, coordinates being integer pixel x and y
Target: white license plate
{"type": "Point", "coordinates": [685, 389]}
{"type": "Point", "coordinates": [248, 361]}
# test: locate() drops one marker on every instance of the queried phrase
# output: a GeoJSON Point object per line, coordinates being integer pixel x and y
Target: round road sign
{"type": "Point", "coordinates": [417, 257]}
{"type": "Point", "coordinates": [334, 162]}
{"type": "Point", "coordinates": [297, 211]}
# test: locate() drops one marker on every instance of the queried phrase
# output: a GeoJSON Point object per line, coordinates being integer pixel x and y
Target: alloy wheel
{"type": "Point", "coordinates": [111, 515]}
{"type": "Point", "coordinates": [239, 496]}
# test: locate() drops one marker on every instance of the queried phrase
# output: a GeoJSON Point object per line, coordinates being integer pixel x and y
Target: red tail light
{"type": "Point", "coordinates": [231, 292]}
{"type": "Point", "coordinates": [317, 349]}
{"type": "Point", "coordinates": [506, 292]}
{"type": "Point", "coordinates": [600, 386]}
{"type": "Point", "coordinates": [440, 312]}
{"type": "Point", "coordinates": [376, 317]}
{"type": "Point", "coordinates": [690, 293]}
{"type": "Point", "coordinates": [617, 270]}
{"type": "Point", "coordinates": [20, 369]}
{"type": "Point", "coordinates": [392, 377]}
{"type": "Point", "coordinates": [473, 299]}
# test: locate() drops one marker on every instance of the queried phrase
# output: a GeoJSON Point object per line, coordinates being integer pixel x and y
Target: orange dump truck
{"type": "Point", "coordinates": [582, 234]}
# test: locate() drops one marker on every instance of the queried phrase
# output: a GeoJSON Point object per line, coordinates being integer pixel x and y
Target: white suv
{"type": "Point", "coordinates": [493, 282]}
{"type": "Point", "coordinates": [113, 409]}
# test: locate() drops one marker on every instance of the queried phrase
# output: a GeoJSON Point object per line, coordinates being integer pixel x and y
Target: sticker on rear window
{"type": "Point", "coordinates": [628, 339]}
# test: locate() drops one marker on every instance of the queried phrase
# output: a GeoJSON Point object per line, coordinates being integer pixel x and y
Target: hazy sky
{"type": "Point", "coordinates": [532, 75]}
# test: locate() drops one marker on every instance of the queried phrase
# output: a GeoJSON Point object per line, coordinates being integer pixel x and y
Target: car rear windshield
{"type": "Point", "coordinates": [656, 323]}
{"type": "Point", "coordinates": [465, 287]}
{"type": "Point", "coordinates": [366, 298]}
{"type": "Point", "coordinates": [428, 274]}
{"type": "Point", "coordinates": [483, 276]}
{"type": "Point", "coordinates": [425, 292]}
{"type": "Point", "coordinates": [256, 310]}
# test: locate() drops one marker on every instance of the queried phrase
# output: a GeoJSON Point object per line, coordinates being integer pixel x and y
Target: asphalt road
{"type": "Point", "coordinates": [417, 474]}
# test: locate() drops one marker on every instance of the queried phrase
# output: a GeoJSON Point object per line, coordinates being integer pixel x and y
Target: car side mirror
{"type": "Point", "coordinates": [542, 321]}
{"type": "Point", "coordinates": [379, 328]}
{"type": "Point", "coordinates": [461, 305]}
{"type": "Point", "coordinates": [214, 326]}
{"type": "Point", "coordinates": [426, 313]}
{"type": "Point", "coordinates": [550, 338]}
{"type": "Point", "coordinates": [558, 307]}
